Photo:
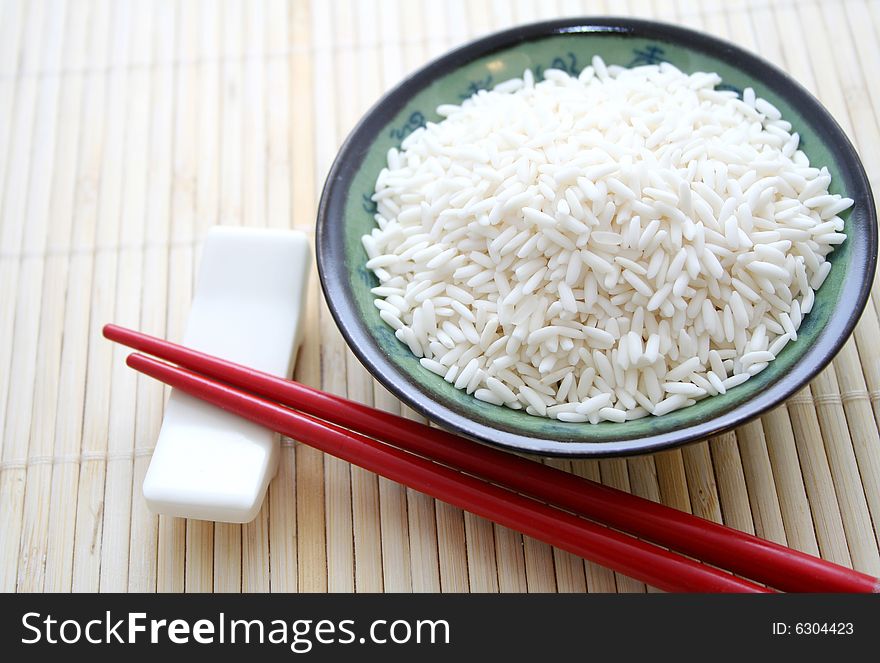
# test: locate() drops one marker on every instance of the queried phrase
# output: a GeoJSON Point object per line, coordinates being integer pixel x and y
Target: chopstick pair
{"type": "Point", "coordinates": [535, 499]}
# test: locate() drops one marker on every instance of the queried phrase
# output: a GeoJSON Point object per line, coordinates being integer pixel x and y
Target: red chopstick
{"type": "Point", "coordinates": [747, 555]}
{"type": "Point", "coordinates": [618, 551]}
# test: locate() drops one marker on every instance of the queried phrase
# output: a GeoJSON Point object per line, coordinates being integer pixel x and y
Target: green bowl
{"type": "Point", "coordinates": [346, 213]}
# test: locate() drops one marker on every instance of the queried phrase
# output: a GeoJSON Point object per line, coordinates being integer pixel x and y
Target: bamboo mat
{"type": "Point", "coordinates": [128, 128]}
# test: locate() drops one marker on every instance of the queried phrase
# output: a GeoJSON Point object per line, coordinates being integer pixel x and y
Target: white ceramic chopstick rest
{"type": "Point", "coordinates": [248, 305]}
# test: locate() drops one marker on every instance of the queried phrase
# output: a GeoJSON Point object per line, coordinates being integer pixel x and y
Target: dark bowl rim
{"type": "Point", "coordinates": [333, 272]}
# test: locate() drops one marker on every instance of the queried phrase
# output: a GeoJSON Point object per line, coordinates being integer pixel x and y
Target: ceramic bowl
{"type": "Point", "coordinates": [346, 213]}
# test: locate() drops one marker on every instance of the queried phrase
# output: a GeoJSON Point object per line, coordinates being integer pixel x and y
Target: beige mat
{"type": "Point", "coordinates": [128, 128]}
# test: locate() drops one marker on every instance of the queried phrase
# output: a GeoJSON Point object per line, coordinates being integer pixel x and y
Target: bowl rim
{"type": "Point", "coordinates": [333, 272]}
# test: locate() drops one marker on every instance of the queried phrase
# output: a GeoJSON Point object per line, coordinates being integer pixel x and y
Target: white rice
{"type": "Point", "coordinates": [601, 247]}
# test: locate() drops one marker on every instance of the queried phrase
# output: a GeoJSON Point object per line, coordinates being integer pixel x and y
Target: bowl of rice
{"type": "Point", "coordinates": [596, 237]}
